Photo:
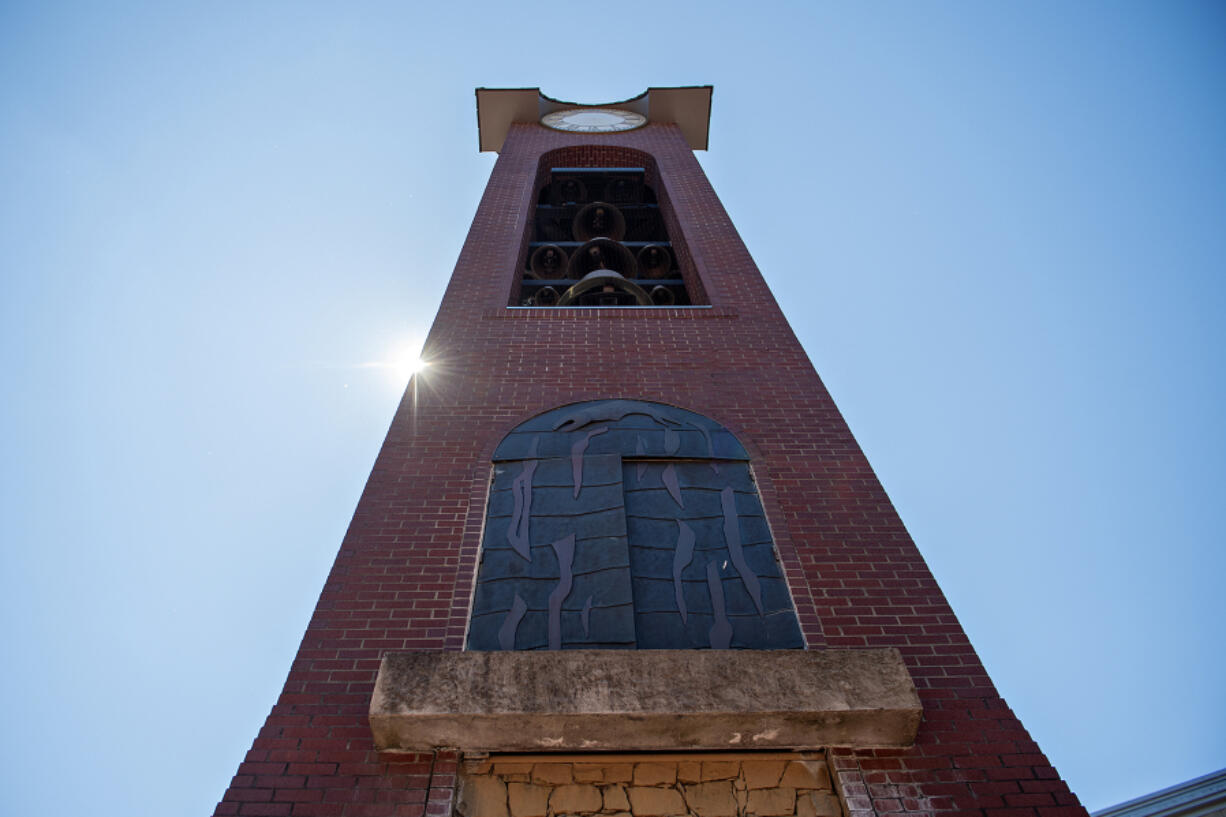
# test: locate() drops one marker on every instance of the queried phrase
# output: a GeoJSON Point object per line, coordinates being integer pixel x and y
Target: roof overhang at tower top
{"type": "Point", "coordinates": [689, 108]}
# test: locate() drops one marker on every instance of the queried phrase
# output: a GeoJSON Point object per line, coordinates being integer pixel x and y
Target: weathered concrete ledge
{"type": "Point", "coordinates": [611, 700]}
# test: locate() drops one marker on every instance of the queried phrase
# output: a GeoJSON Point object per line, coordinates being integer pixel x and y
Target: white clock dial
{"type": "Point", "coordinates": [593, 120]}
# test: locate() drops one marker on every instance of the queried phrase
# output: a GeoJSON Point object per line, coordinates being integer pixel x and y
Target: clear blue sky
{"type": "Point", "coordinates": [998, 229]}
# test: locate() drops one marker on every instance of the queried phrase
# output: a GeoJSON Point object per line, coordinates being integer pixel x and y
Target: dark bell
{"type": "Point", "coordinates": [655, 261]}
{"type": "Point", "coordinates": [568, 189]}
{"type": "Point", "coordinates": [548, 262]}
{"type": "Point", "coordinates": [601, 253]}
{"type": "Point", "coordinates": [605, 288]}
{"type": "Point", "coordinates": [599, 220]}
{"type": "Point", "coordinates": [662, 296]}
{"type": "Point", "coordinates": [622, 190]}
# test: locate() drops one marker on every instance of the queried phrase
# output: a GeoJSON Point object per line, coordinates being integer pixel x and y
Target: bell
{"type": "Point", "coordinates": [622, 190]}
{"type": "Point", "coordinates": [552, 228]}
{"type": "Point", "coordinates": [599, 220]}
{"type": "Point", "coordinates": [548, 262]}
{"type": "Point", "coordinates": [605, 287]}
{"type": "Point", "coordinates": [655, 261]}
{"type": "Point", "coordinates": [545, 296]}
{"type": "Point", "coordinates": [567, 189]}
{"type": "Point", "coordinates": [662, 296]}
{"type": "Point", "coordinates": [601, 253]}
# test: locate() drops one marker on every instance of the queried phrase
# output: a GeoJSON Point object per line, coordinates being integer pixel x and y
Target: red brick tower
{"type": "Point", "coordinates": [620, 554]}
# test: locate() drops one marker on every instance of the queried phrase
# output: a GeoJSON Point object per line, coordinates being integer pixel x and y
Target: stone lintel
{"type": "Point", "coordinates": [643, 700]}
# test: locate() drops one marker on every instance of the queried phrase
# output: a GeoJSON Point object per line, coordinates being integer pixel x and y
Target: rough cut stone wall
{"type": "Point", "coordinates": [404, 575]}
{"type": "Point", "coordinates": [723, 785]}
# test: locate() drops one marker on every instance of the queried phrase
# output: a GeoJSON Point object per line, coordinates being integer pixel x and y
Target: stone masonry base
{"type": "Point", "coordinates": [747, 784]}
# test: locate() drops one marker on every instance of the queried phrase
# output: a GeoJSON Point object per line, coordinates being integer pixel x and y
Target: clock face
{"type": "Point", "coordinates": [594, 120]}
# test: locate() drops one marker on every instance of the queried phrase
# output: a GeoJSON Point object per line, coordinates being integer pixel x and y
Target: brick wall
{"type": "Point", "coordinates": [404, 575]}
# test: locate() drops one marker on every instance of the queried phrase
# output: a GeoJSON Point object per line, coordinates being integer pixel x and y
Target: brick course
{"type": "Point", "coordinates": [404, 575]}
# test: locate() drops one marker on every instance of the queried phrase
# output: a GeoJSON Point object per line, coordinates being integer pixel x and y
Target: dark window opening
{"type": "Point", "coordinates": [598, 239]}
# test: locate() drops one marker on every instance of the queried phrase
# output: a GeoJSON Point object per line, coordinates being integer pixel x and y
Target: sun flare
{"type": "Point", "coordinates": [407, 361]}
{"type": "Point", "coordinates": [408, 366]}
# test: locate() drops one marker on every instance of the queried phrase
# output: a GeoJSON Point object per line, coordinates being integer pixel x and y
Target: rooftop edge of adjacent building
{"type": "Point", "coordinates": [1204, 795]}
